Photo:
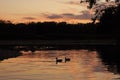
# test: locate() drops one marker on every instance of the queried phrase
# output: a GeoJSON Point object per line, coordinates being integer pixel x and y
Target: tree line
{"type": "Point", "coordinates": [108, 27]}
{"type": "Point", "coordinates": [45, 30]}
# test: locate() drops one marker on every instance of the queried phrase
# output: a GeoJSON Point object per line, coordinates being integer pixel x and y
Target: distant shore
{"type": "Point", "coordinates": [57, 42]}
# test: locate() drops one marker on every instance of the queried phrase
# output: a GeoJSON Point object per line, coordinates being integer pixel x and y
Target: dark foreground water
{"type": "Point", "coordinates": [41, 65]}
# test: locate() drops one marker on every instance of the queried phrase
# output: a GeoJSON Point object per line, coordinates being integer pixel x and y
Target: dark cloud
{"type": "Point", "coordinates": [68, 14]}
{"type": "Point", "coordinates": [29, 18]}
{"type": "Point", "coordinates": [83, 15]}
{"type": "Point", "coordinates": [54, 16]}
{"type": "Point", "coordinates": [73, 2]}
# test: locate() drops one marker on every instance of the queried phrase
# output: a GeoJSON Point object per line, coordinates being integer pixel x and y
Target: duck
{"type": "Point", "coordinates": [67, 59]}
{"type": "Point", "coordinates": [58, 60]}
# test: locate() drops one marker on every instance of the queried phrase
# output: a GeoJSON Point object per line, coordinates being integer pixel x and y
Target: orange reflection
{"type": "Point", "coordinates": [84, 65]}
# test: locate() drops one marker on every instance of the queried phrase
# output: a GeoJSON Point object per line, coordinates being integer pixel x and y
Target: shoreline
{"type": "Point", "coordinates": [57, 42]}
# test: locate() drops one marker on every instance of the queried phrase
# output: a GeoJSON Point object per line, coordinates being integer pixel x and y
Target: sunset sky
{"type": "Point", "coordinates": [44, 10]}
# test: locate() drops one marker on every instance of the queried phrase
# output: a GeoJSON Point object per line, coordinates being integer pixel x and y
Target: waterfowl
{"type": "Point", "coordinates": [67, 59]}
{"type": "Point", "coordinates": [58, 60]}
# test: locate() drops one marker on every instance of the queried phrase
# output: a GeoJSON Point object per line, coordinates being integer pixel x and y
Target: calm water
{"type": "Point", "coordinates": [41, 65]}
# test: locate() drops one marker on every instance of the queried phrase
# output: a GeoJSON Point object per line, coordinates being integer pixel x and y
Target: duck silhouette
{"type": "Point", "coordinates": [67, 59]}
{"type": "Point", "coordinates": [58, 60]}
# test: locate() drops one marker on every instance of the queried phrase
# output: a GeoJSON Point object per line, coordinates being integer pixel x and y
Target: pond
{"type": "Point", "coordinates": [80, 64]}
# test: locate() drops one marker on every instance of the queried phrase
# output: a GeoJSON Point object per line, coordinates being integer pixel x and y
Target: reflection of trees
{"type": "Point", "coordinates": [110, 57]}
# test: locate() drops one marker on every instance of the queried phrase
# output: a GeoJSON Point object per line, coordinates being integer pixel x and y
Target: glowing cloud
{"type": "Point", "coordinates": [29, 18]}
{"type": "Point", "coordinates": [83, 15]}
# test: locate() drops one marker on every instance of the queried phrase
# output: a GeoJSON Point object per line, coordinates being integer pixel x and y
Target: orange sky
{"type": "Point", "coordinates": [44, 10]}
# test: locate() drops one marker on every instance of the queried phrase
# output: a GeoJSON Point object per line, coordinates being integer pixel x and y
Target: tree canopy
{"type": "Point", "coordinates": [94, 2]}
{"type": "Point", "coordinates": [102, 8]}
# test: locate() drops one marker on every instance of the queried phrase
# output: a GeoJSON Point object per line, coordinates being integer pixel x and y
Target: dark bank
{"type": "Point", "coordinates": [6, 53]}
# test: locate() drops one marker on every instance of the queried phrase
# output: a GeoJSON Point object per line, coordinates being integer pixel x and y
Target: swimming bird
{"type": "Point", "coordinates": [67, 59]}
{"type": "Point", "coordinates": [58, 60]}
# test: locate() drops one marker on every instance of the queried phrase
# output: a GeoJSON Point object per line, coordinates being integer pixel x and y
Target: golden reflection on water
{"type": "Point", "coordinates": [41, 65]}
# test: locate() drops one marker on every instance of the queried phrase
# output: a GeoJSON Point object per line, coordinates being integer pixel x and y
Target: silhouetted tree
{"type": "Point", "coordinates": [100, 8]}
{"type": "Point", "coordinates": [94, 2]}
{"type": "Point", "coordinates": [46, 30]}
{"type": "Point", "coordinates": [110, 21]}
{"type": "Point", "coordinates": [108, 15]}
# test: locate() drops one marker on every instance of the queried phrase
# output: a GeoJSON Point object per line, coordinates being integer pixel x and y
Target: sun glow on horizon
{"type": "Point", "coordinates": [22, 11]}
